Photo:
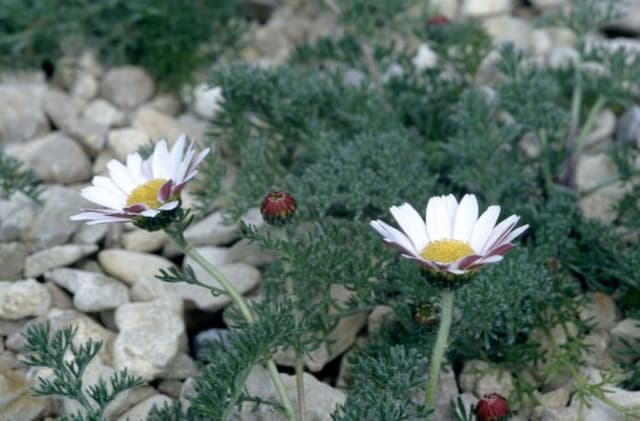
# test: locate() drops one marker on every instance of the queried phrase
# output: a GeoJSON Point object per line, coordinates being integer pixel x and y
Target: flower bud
{"type": "Point", "coordinates": [425, 314]}
{"type": "Point", "coordinates": [492, 407]}
{"type": "Point", "coordinates": [278, 207]}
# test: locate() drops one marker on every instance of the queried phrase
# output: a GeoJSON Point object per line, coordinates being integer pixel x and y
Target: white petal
{"type": "Point", "coordinates": [489, 259]}
{"type": "Point", "coordinates": [412, 224]}
{"type": "Point", "coordinates": [466, 217]}
{"type": "Point", "coordinates": [452, 208]}
{"type": "Point", "coordinates": [499, 231]}
{"type": "Point", "coordinates": [177, 152]}
{"type": "Point", "coordinates": [108, 184]}
{"type": "Point", "coordinates": [515, 233]}
{"type": "Point", "coordinates": [169, 205]}
{"type": "Point", "coordinates": [438, 219]}
{"type": "Point", "coordinates": [93, 218]}
{"type": "Point", "coordinates": [147, 168]}
{"type": "Point", "coordinates": [150, 213]}
{"type": "Point", "coordinates": [121, 176]}
{"type": "Point", "coordinates": [183, 168]}
{"type": "Point", "coordinates": [392, 235]}
{"type": "Point", "coordinates": [134, 163]}
{"type": "Point", "coordinates": [193, 165]}
{"type": "Point", "coordinates": [103, 197]}
{"type": "Point", "coordinates": [107, 220]}
{"type": "Point", "coordinates": [160, 161]}
{"type": "Point", "coordinates": [483, 227]}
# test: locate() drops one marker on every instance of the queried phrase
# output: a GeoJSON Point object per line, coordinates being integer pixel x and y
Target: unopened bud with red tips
{"type": "Point", "coordinates": [437, 20]}
{"type": "Point", "coordinates": [492, 407]}
{"type": "Point", "coordinates": [278, 207]}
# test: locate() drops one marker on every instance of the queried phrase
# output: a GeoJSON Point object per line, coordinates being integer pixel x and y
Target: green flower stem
{"type": "Point", "coordinates": [239, 300]}
{"type": "Point", "coordinates": [440, 346]}
{"type": "Point", "coordinates": [299, 354]}
{"type": "Point", "coordinates": [236, 297]}
{"type": "Point", "coordinates": [300, 386]}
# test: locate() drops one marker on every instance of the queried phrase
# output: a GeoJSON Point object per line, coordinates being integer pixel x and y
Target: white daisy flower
{"type": "Point", "coordinates": [452, 238]}
{"type": "Point", "coordinates": [142, 188]}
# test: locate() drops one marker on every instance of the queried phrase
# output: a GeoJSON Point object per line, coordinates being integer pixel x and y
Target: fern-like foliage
{"type": "Point", "coordinates": [14, 178]}
{"type": "Point", "coordinates": [220, 387]}
{"type": "Point", "coordinates": [170, 39]}
{"type": "Point", "coordinates": [383, 387]}
{"type": "Point", "coordinates": [358, 178]}
{"type": "Point", "coordinates": [583, 16]}
{"type": "Point", "coordinates": [69, 362]}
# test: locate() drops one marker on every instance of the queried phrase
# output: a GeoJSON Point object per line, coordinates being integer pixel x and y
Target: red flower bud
{"type": "Point", "coordinates": [278, 207]}
{"type": "Point", "coordinates": [437, 20]}
{"type": "Point", "coordinates": [492, 407]}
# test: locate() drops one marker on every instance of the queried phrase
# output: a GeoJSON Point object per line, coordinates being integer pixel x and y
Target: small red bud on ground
{"type": "Point", "coordinates": [278, 207]}
{"type": "Point", "coordinates": [492, 407]}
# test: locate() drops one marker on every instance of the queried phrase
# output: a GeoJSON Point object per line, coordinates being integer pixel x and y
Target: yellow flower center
{"type": "Point", "coordinates": [147, 194]}
{"type": "Point", "coordinates": [446, 251]}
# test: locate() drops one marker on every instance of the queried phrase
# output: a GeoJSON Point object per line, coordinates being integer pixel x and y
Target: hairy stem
{"type": "Point", "coordinates": [546, 169]}
{"type": "Point", "coordinates": [367, 53]}
{"type": "Point", "coordinates": [440, 346]}
{"type": "Point", "coordinates": [300, 386]}
{"type": "Point", "coordinates": [299, 355]}
{"type": "Point", "coordinates": [239, 300]}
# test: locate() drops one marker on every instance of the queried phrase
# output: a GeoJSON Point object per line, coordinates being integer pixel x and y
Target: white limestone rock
{"type": "Point", "coordinates": [92, 291]}
{"type": "Point", "coordinates": [484, 8]}
{"type": "Point", "coordinates": [597, 410]}
{"type": "Point", "coordinates": [91, 135]}
{"type": "Point", "coordinates": [217, 256]}
{"type": "Point", "coordinates": [338, 340]}
{"type": "Point", "coordinates": [213, 231]}
{"type": "Point", "coordinates": [425, 58]}
{"type": "Point", "coordinates": [166, 103]}
{"type": "Point", "coordinates": [130, 266]}
{"type": "Point", "coordinates": [144, 241]}
{"type": "Point", "coordinates": [122, 142]}
{"type": "Point", "coordinates": [601, 309]}
{"type": "Point", "coordinates": [445, 398]}
{"type": "Point", "coordinates": [127, 87]}
{"type": "Point", "coordinates": [55, 200]}
{"type": "Point", "coordinates": [628, 127]}
{"type": "Point", "coordinates": [104, 113]}
{"type": "Point", "coordinates": [600, 137]}
{"type": "Point", "coordinates": [140, 412]}
{"type": "Point", "coordinates": [183, 367]}
{"type": "Point", "coordinates": [591, 171]}
{"type": "Point", "coordinates": [16, 215]}
{"type": "Point", "coordinates": [159, 125]}
{"type": "Point", "coordinates": [57, 256]}
{"type": "Point", "coordinates": [242, 276]}
{"type": "Point", "coordinates": [471, 372]}
{"type": "Point", "coordinates": [54, 157]}
{"type": "Point", "coordinates": [21, 114]}
{"type": "Point", "coordinates": [22, 299]}
{"type": "Point", "coordinates": [85, 86]}
{"type": "Point", "coordinates": [207, 100]}
{"type": "Point", "coordinates": [12, 257]}
{"type": "Point", "coordinates": [16, 399]}
{"type": "Point", "coordinates": [319, 408]}
{"type": "Point", "coordinates": [60, 107]}
{"type": "Point", "coordinates": [90, 234]}
{"type": "Point", "coordinates": [151, 337]}
{"type": "Point", "coordinates": [626, 330]}
{"type": "Point", "coordinates": [509, 29]}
